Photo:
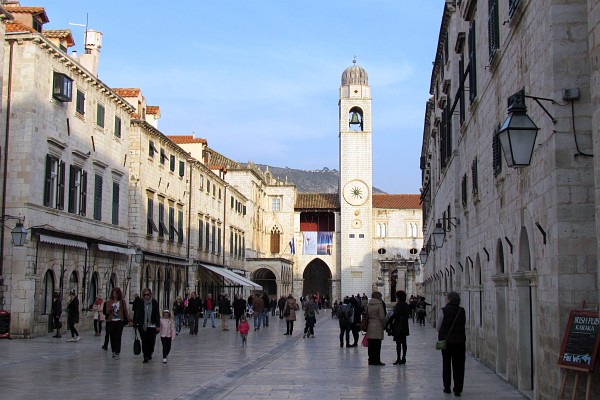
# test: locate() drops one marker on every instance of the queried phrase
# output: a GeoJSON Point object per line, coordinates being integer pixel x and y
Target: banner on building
{"type": "Point", "coordinates": [317, 243]}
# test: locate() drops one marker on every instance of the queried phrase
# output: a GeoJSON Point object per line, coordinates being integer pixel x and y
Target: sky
{"type": "Point", "coordinates": [259, 80]}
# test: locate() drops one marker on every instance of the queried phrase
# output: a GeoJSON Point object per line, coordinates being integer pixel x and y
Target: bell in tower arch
{"type": "Point", "coordinates": [355, 121]}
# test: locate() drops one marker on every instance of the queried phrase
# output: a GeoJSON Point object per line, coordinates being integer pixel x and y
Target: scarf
{"type": "Point", "coordinates": [147, 313]}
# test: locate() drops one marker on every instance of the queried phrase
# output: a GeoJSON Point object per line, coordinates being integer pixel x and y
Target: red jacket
{"type": "Point", "coordinates": [244, 327]}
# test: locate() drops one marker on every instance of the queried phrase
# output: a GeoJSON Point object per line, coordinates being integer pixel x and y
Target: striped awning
{"type": "Point", "coordinates": [233, 277]}
{"type": "Point", "coordinates": [63, 242]}
{"type": "Point", "coordinates": [115, 249]}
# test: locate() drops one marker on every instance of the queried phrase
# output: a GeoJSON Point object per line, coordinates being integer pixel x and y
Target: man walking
{"type": "Point", "coordinates": [258, 309]}
{"type": "Point", "coordinates": [192, 311]}
{"type": "Point", "coordinates": [209, 310]}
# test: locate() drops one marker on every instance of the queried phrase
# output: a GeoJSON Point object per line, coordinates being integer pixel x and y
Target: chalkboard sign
{"type": "Point", "coordinates": [581, 341]}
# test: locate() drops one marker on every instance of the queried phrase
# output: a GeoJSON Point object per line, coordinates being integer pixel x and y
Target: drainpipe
{"type": "Point", "coordinates": [189, 229]}
{"type": "Point", "coordinates": [224, 223]}
{"type": "Point", "coordinates": [5, 167]}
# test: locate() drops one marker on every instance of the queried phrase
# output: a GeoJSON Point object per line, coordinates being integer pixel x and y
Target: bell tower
{"type": "Point", "coordinates": [356, 181]}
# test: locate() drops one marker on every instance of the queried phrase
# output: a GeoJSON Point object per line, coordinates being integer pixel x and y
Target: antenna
{"type": "Point", "coordinates": [86, 29]}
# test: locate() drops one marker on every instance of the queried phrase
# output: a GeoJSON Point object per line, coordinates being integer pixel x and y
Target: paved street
{"type": "Point", "coordinates": [213, 365]}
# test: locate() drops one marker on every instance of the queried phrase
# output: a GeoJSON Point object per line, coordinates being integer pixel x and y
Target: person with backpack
{"type": "Point", "coordinates": [345, 319]}
{"type": "Point", "coordinates": [398, 326]}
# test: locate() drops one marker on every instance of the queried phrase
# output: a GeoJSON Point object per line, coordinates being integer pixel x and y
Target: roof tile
{"type": "Point", "coordinates": [153, 110]}
{"type": "Point", "coordinates": [17, 27]}
{"type": "Point", "coordinates": [127, 92]}
{"type": "Point", "coordinates": [60, 34]}
{"type": "Point", "coordinates": [316, 201]}
{"type": "Point", "coordinates": [186, 139]}
{"type": "Point", "coordinates": [397, 201]}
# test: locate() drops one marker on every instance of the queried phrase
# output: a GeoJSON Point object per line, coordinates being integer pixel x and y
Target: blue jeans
{"type": "Point", "coordinates": [258, 319]}
{"type": "Point", "coordinates": [178, 322]}
{"type": "Point", "coordinates": [210, 313]}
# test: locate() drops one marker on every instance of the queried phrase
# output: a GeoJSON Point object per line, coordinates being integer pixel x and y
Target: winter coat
{"type": "Point", "coordinates": [139, 312]}
{"type": "Point", "coordinates": [244, 327]}
{"type": "Point", "coordinates": [376, 313]}
{"type": "Point", "coordinates": [194, 306]}
{"type": "Point", "coordinates": [123, 313]}
{"type": "Point", "coordinates": [73, 310]}
{"type": "Point", "coordinates": [258, 305]}
{"type": "Point", "coordinates": [292, 305]}
{"type": "Point", "coordinates": [97, 309]}
{"type": "Point", "coordinates": [239, 307]}
{"type": "Point", "coordinates": [225, 306]}
{"type": "Point", "coordinates": [56, 309]}
{"type": "Point", "coordinates": [167, 328]}
{"type": "Point", "coordinates": [399, 320]}
{"type": "Point", "coordinates": [178, 308]}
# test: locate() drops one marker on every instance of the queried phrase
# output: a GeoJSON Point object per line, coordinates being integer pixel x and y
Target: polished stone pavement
{"type": "Point", "coordinates": [214, 365]}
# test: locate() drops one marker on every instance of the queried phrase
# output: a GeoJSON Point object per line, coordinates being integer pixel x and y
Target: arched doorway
{"type": "Point", "coordinates": [267, 279]}
{"type": "Point", "coordinates": [317, 279]}
{"type": "Point", "coordinates": [525, 314]}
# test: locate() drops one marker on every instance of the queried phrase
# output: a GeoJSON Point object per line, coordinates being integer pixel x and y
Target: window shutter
{"type": "Point", "coordinates": [61, 186]}
{"type": "Point", "coordinates": [117, 127]}
{"type": "Point", "coordinates": [161, 219]}
{"type": "Point", "coordinates": [100, 115]}
{"type": "Point", "coordinates": [150, 148]}
{"type": "Point", "coordinates": [48, 181]}
{"type": "Point", "coordinates": [150, 216]}
{"type": "Point", "coordinates": [180, 226]}
{"type": "Point", "coordinates": [72, 188]}
{"type": "Point", "coordinates": [200, 233]}
{"type": "Point", "coordinates": [172, 163]}
{"type": "Point", "coordinates": [275, 242]}
{"type": "Point", "coordinates": [171, 224]}
{"type": "Point", "coordinates": [83, 196]}
{"type": "Point", "coordinates": [98, 198]}
{"type": "Point", "coordinates": [181, 168]}
{"type": "Point", "coordinates": [231, 243]}
{"type": "Point", "coordinates": [497, 156]}
{"type": "Point", "coordinates": [493, 28]}
{"type": "Point", "coordinates": [219, 241]}
{"type": "Point", "coordinates": [115, 204]}
{"type": "Point", "coordinates": [472, 63]}
{"type": "Point", "coordinates": [207, 241]}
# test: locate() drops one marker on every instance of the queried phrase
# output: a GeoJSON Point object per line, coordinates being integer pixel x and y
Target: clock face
{"type": "Point", "coordinates": [356, 192]}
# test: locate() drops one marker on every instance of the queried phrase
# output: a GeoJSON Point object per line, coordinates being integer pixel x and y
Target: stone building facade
{"type": "Point", "coordinates": [108, 200]}
{"type": "Point", "coordinates": [520, 244]}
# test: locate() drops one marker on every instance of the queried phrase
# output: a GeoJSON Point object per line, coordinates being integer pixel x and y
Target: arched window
{"type": "Point", "coordinates": [275, 240]}
{"type": "Point", "coordinates": [93, 292]}
{"type": "Point", "coordinates": [48, 290]}
{"type": "Point", "coordinates": [74, 282]}
{"type": "Point", "coordinates": [378, 230]}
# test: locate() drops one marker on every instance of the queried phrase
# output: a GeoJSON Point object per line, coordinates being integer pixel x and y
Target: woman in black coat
{"type": "Point", "coordinates": [398, 326]}
{"type": "Point", "coordinates": [146, 318]}
{"type": "Point", "coordinates": [451, 327]}
{"type": "Point", "coordinates": [73, 316]}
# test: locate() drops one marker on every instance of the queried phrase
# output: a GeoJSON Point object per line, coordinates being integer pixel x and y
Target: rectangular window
{"type": "Point", "coordinates": [98, 197]}
{"type": "Point", "coordinates": [219, 241]}
{"type": "Point", "coordinates": [235, 246]}
{"type": "Point", "coordinates": [115, 203]}
{"type": "Point", "coordinates": [231, 243]}
{"type": "Point", "coordinates": [151, 226]}
{"type": "Point", "coordinates": [493, 28]}
{"type": "Point", "coordinates": [461, 89]}
{"type": "Point", "coordinates": [474, 178]}
{"type": "Point", "coordinates": [100, 115]}
{"type": "Point", "coordinates": [497, 154]}
{"type": "Point", "coordinates": [172, 229]}
{"type": "Point", "coordinates": [77, 190]}
{"type": "Point", "coordinates": [54, 185]}
{"type": "Point", "coordinates": [464, 190]}
{"type": "Point", "coordinates": [243, 246]}
{"type": "Point", "coordinates": [117, 127]}
{"type": "Point", "coordinates": [200, 233]}
{"type": "Point", "coordinates": [172, 163]}
{"type": "Point", "coordinates": [207, 237]}
{"type": "Point", "coordinates": [180, 226]}
{"type": "Point", "coordinates": [181, 168]}
{"type": "Point", "coordinates": [276, 204]}
{"type": "Point", "coordinates": [151, 149]}
{"type": "Point", "coordinates": [162, 228]}
{"type": "Point", "coordinates": [201, 181]}
{"type": "Point", "coordinates": [512, 7]}
{"type": "Point", "coordinates": [62, 88]}
{"type": "Point", "coordinates": [232, 202]}
{"type": "Point", "coordinates": [37, 25]}
{"type": "Point", "coordinates": [163, 156]}
{"type": "Point", "coordinates": [80, 102]}
{"type": "Point", "coordinates": [472, 63]}
{"type": "Point", "coordinates": [213, 242]}
{"type": "Point", "coordinates": [208, 186]}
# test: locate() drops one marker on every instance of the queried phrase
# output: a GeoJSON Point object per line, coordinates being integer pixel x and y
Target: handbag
{"type": "Point", "coordinates": [364, 323]}
{"type": "Point", "coordinates": [57, 325]}
{"type": "Point", "coordinates": [441, 344]}
{"type": "Point", "coordinates": [365, 341]}
{"type": "Point", "coordinates": [137, 346]}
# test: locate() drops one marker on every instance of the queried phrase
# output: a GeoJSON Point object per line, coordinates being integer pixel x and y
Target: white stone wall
{"type": "Point", "coordinates": [500, 262]}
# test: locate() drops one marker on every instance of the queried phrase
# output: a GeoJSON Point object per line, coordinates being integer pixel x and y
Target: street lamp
{"type": "Point", "coordinates": [424, 254]}
{"type": "Point", "coordinates": [19, 234]}
{"type": "Point", "coordinates": [138, 256]}
{"type": "Point", "coordinates": [518, 133]}
{"type": "Point", "coordinates": [439, 233]}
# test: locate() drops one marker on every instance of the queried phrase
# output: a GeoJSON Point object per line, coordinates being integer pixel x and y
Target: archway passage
{"type": "Point", "coordinates": [267, 279]}
{"type": "Point", "coordinates": [317, 279]}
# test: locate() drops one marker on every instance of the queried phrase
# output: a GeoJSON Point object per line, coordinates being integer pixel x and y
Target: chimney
{"type": "Point", "coordinates": [74, 55]}
{"type": "Point", "coordinates": [93, 44]}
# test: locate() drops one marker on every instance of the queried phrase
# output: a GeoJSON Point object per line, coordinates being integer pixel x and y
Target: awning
{"type": "Point", "coordinates": [116, 249]}
{"type": "Point", "coordinates": [63, 242]}
{"type": "Point", "coordinates": [165, 260]}
{"type": "Point", "coordinates": [232, 276]}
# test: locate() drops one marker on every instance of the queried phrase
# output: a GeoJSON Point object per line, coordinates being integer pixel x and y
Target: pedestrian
{"type": "Point", "coordinates": [451, 327]}
{"type": "Point", "coordinates": [225, 312]}
{"type": "Point", "coordinates": [258, 309]}
{"type": "Point", "coordinates": [56, 312]}
{"type": "Point", "coordinates": [178, 312]}
{"type": "Point", "coordinates": [73, 316]}
{"type": "Point", "coordinates": [311, 309]}
{"type": "Point", "coordinates": [209, 311]}
{"type": "Point", "coordinates": [239, 309]}
{"type": "Point", "coordinates": [97, 309]}
{"type": "Point", "coordinates": [345, 319]}
{"type": "Point", "coordinates": [186, 301]}
{"type": "Point", "coordinates": [116, 308]}
{"type": "Point", "coordinates": [376, 314]}
{"type": "Point", "coordinates": [289, 312]}
{"type": "Point", "coordinates": [193, 312]}
{"type": "Point", "coordinates": [355, 327]}
{"type": "Point", "coordinates": [167, 333]}
{"type": "Point", "coordinates": [273, 307]}
{"type": "Point", "coordinates": [267, 302]}
{"type": "Point", "coordinates": [421, 310]}
{"type": "Point", "coordinates": [281, 306]}
{"type": "Point", "coordinates": [244, 328]}
{"type": "Point", "coordinates": [398, 326]}
{"type": "Point", "coordinates": [146, 318]}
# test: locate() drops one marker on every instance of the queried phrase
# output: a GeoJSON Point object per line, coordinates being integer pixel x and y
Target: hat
{"type": "Point", "coordinates": [166, 311]}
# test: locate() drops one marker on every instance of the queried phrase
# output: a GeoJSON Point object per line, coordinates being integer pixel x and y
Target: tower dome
{"type": "Point", "coordinates": [355, 75]}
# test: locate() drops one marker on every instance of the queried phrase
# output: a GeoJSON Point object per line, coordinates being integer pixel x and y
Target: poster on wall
{"type": "Point", "coordinates": [317, 243]}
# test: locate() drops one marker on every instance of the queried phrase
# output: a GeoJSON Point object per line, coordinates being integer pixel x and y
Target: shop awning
{"type": "Point", "coordinates": [63, 242]}
{"type": "Point", "coordinates": [233, 277]}
{"type": "Point", "coordinates": [116, 249]}
{"type": "Point", "coordinates": [165, 260]}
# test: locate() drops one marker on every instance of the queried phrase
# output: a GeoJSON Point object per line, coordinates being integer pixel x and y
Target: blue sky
{"type": "Point", "coordinates": [260, 79]}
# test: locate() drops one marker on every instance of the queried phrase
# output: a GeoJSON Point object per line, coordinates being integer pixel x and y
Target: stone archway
{"type": "Point", "coordinates": [317, 279]}
{"type": "Point", "coordinates": [267, 279]}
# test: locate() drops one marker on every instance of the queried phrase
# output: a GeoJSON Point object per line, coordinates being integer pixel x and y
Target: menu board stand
{"type": "Point", "coordinates": [580, 348]}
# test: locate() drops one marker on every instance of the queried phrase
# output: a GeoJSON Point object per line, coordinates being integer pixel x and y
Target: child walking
{"type": "Point", "coordinates": [167, 333]}
{"type": "Point", "coordinates": [243, 328]}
